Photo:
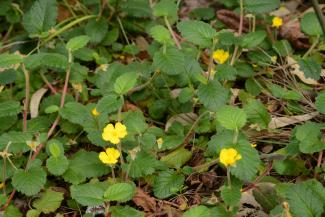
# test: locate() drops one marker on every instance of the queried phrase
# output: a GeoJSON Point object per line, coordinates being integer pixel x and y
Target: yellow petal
{"type": "Point", "coordinates": [103, 157]}
{"type": "Point", "coordinates": [220, 56]}
{"type": "Point", "coordinates": [109, 128]}
{"type": "Point", "coordinates": [95, 112]}
{"type": "Point", "coordinates": [229, 156]}
{"type": "Point", "coordinates": [114, 153]}
{"type": "Point", "coordinates": [120, 129]}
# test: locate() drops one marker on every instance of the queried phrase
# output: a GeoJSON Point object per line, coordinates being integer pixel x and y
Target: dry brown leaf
{"type": "Point", "coordinates": [291, 31]}
{"type": "Point", "coordinates": [231, 19]}
{"type": "Point", "coordinates": [278, 122]}
{"type": "Point", "coordinates": [143, 200]}
{"type": "Point", "coordinates": [35, 101]}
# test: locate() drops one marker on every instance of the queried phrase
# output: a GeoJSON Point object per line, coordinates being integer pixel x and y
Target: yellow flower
{"type": "Point", "coordinates": [220, 56]}
{"type": "Point", "coordinates": [277, 22]}
{"type": "Point", "coordinates": [229, 156]}
{"type": "Point", "coordinates": [274, 59]}
{"type": "Point", "coordinates": [160, 141]}
{"type": "Point", "coordinates": [2, 184]}
{"type": "Point", "coordinates": [110, 156]}
{"type": "Point", "coordinates": [32, 144]}
{"type": "Point", "coordinates": [94, 112]}
{"type": "Point", "coordinates": [253, 145]}
{"type": "Point", "coordinates": [114, 134]}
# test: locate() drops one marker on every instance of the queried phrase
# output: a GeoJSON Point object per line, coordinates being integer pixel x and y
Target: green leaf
{"type": "Point", "coordinates": [144, 164]}
{"type": "Point", "coordinates": [197, 32]}
{"type": "Point", "coordinates": [120, 192]}
{"type": "Point", "coordinates": [57, 165]}
{"type": "Point", "coordinates": [96, 30]}
{"type": "Point", "coordinates": [7, 60]}
{"type": "Point", "coordinates": [310, 25]}
{"type": "Point", "coordinates": [257, 113]}
{"type": "Point", "coordinates": [289, 167]}
{"type": "Point", "coordinates": [84, 165]}
{"type": "Point", "coordinates": [177, 158]}
{"type": "Point", "coordinates": [47, 60]}
{"type": "Point", "coordinates": [33, 213]}
{"type": "Point", "coordinates": [261, 6]}
{"type": "Point", "coordinates": [213, 95]}
{"type": "Point", "coordinates": [166, 8]}
{"type": "Point", "coordinates": [160, 34]}
{"type": "Point", "coordinates": [9, 108]}
{"type": "Point", "coordinates": [29, 182]}
{"type": "Point", "coordinates": [49, 202]}
{"type": "Point", "coordinates": [12, 211]}
{"type": "Point", "coordinates": [125, 82]}
{"type": "Point", "coordinates": [17, 141]}
{"type": "Point", "coordinates": [282, 47]}
{"type": "Point", "coordinates": [87, 194]}
{"type": "Point", "coordinates": [226, 72]}
{"type": "Point", "coordinates": [51, 109]}
{"type": "Point", "coordinates": [306, 199]}
{"type": "Point", "coordinates": [253, 39]}
{"type": "Point", "coordinates": [41, 17]}
{"type": "Point", "coordinates": [8, 76]}
{"type": "Point", "coordinates": [78, 114]}
{"type": "Point", "coordinates": [136, 8]}
{"type": "Point", "coordinates": [230, 195]}
{"type": "Point", "coordinates": [135, 122]}
{"type": "Point", "coordinates": [320, 102]}
{"type": "Point", "coordinates": [310, 68]}
{"type": "Point", "coordinates": [172, 57]}
{"type": "Point", "coordinates": [167, 184]}
{"type": "Point", "coordinates": [231, 118]}
{"type": "Point", "coordinates": [309, 136]}
{"type": "Point", "coordinates": [109, 103]}
{"type": "Point", "coordinates": [198, 211]}
{"type": "Point", "coordinates": [283, 93]}
{"type": "Point", "coordinates": [77, 42]}
{"type": "Point", "coordinates": [55, 149]}
{"type": "Point", "coordinates": [125, 211]}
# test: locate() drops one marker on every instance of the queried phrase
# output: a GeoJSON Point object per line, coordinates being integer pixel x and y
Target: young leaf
{"type": "Point", "coordinates": [213, 95]}
{"type": "Point", "coordinates": [49, 202]}
{"type": "Point", "coordinates": [167, 183]}
{"type": "Point", "coordinates": [41, 17]}
{"type": "Point", "coordinates": [125, 82]}
{"type": "Point", "coordinates": [160, 34]}
{"type": "Point", "coordinates": [77, 42]}
{"type": "Point", "coordinates": [198, 211]}
{"type": "Point", "coordinates": [231, 117]}
{"type": "Point", "coordinates": [197, 32]}
{"type": "Point", "coordinates": [29, 182]}
{"type": "Point", "coordinates": [120, 192]}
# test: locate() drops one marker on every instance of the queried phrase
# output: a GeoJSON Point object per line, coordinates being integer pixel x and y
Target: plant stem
{"type": "Point", "coordinates": [211, 60]}
{"type": "Point", "coordinates": [27, 93]}
{"type": "Point", "coordinates": [312, 47]}
{"type": "Point", "coordinates": [169, 27]}
{"type": "Point", "coordinates": [319, 13]}
{"type": "Point", "coordinates": [122, 29]}
{"type": "Point", "coordinates": [240, 30]}
{"type": "Point", "coordinates": [228, 177]}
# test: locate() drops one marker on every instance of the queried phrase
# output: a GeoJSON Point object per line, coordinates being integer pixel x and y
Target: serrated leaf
{"type": "Point", "coordinates": [165, 8]}
{"type": "Point", "coordinates": [8, 76]}
{"type": "Point", "coordinates": [309, 137]}
{"type": "Point", "coordinates": [12, 211]}
{"type": "Point", "coordinates": [33, 213]}
{"type": "Point", "coordinates": [225, 72]}
{"type": "Point", "coordinates": [310, 68]}
{"type": "Point", "coordinates": [125, 211]}
{"type": "Point", "coordinates": [160, 34]}
{"type": "Point", "coordinates": [282, 47]}
{"type": "Point", "coordinates": [198, 211]}
{"type": "Point", "coordinates": [171, 57]}
{"type": "Point", "coordinates": [257, 113]}
{"type": "Point", "coordinates": [253, 39]}
{"type": "Point", "coordinates": [177, 158]}
{"type": "Point", "coordinates": [109, 103]}
{"type": "Point", "coordinates": [84, 165]}
{"type": "Point", "coordinates": [231, 118]}
{"type": "Point", "coordinates": [7, 60]}
{"type": "Point", "coordinates": [29, 182]}
{"type": "Point", "coordinates": [17, 139]}
{"type": "Point", "coordinates": [96, 30]}
{"type": "Point", "coordinates": [125, 82]}
{"type": "Point", "coordinates": [48, 60]}
{"type": "Point", "coordinates": [304, 199]}
{"type": "Point", "coordinates": [120, 192]}
{"type": "Point", "coordinates": [261, 6]}
{"type": "Point", "coordinates": [9, 108]}
{"type": "Point", "coordinates": [310, 25]}
{"type": "Point", "coordinates": [230, 195]}
{"type": "Point", "coordinates": [57, 165]}
{"type": "Point", "coordinates": [167, 183]}
{"type": "Point", "coordinates": [87, 194]}
{"type": "Point", "coordinates": [213, 95]}
{"type": "Point", "coordinates": [320, 102]}
{"type": "Point", "coordinates": [197, 32]}
{"type": "Point", "coordinates": [137, 8]}
{"type": "Point", "coordinates": [77, 42]}
{"type": "Point", "coordinates": [49, 202]}
{"type": "Point", "coordinates": [135, 122]}
{"type": "Point", "coordinates": [41, 17]}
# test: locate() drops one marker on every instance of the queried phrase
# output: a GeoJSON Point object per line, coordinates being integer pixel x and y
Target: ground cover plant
{"type": "Point", "coordinates": [130, 108]}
